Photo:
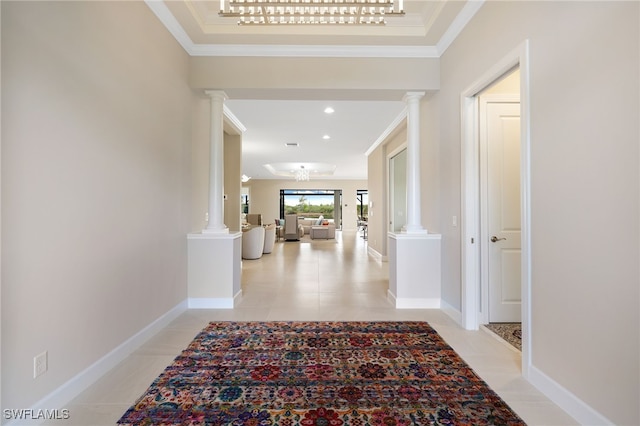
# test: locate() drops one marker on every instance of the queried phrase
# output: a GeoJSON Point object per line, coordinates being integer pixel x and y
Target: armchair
{"type": "Point", "coordinates": [291, 228]}
{"type": "Point", "coordinates": [254, 218]}
{"type": "Point", "coordinates": [269, 238]}
{"type": "Point", "coordinates": [253, 243]}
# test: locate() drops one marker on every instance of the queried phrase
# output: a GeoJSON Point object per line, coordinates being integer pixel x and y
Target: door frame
{"type": "Point", "coordinates": [470, 196]}
{"type": "Point", "coordinates": [483, 241]}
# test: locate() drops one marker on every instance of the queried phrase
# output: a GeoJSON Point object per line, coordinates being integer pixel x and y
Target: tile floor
{"type": "Point", "coordinates": [312, 280]}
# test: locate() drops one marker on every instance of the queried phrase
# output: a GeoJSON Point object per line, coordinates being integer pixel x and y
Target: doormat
{"type": "Point", "coordinates": [510, 332]}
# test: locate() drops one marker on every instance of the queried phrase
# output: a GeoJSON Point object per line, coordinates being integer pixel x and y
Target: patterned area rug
{"type": "Point", "coordinates": [319, 373]}
{"type": "Point", "coordinates": [511, 332]}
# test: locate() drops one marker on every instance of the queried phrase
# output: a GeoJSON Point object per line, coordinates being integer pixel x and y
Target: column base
{"type": "Point", "coordinates": [414, 270]}
{"type": "Point", "coordinates": [217, 230]}
{"type": "Point", "coordinates": [415, 229]}
{"type": "Point", "coordinates": [214, 268]}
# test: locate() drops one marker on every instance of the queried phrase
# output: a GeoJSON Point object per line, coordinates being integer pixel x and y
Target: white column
{"type": "Point", "coordinates": [413, 163]}
{"type": "Point", "coordinates": [216, 164]}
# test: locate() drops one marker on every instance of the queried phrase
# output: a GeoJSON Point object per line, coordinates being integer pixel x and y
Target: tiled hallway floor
{"type": "Point", "coordinates": [312, 280]}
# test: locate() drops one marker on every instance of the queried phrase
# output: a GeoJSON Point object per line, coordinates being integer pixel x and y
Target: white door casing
{"type": "Point", "coordinates": [500, 206]}
{"type": "Point", "coordinates": [471, 316]}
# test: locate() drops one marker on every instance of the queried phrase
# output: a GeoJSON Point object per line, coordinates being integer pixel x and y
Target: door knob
{"type": "Point", "coordinates": [496, 239]}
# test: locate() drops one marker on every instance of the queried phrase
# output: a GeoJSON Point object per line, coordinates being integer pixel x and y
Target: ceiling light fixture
{"type": "Point", "coordinates": [301, 174]}
{"type": "Point", "coordinates": [292, 169]}
{"type": "Point", "coordinates": [326, 137]}
{"type": "Point", "coordinates": [310, 12]}
{"type": "Point", "coordinates": [329, 110]}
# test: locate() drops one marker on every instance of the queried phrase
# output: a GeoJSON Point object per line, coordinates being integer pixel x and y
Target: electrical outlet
{"type": "Point", "coordinates": [40, 364]}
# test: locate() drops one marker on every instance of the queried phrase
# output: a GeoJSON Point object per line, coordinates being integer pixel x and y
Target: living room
{"type": "Point", "coordinates": [264, 198]}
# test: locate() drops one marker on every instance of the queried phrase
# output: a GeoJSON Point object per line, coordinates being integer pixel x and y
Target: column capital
{"type": "Point", "coordinates": [213, 94]}
{"type": "Point", "coordinates": [413, 96]}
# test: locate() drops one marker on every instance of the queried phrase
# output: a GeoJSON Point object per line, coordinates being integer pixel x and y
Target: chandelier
{"type": "Point", "coordinates": [301, 174]}
{"type": "Point", "coordinates": [310, 12]}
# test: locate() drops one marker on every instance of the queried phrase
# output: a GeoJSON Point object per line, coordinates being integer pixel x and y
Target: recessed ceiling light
{"type": "Point", "coordinates": [329, 110]}
{"type": "Point", "coordinates": [326, 137]}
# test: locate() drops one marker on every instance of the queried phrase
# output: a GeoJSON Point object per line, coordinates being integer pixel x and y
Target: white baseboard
{"type": "Point", "coordinates": [376, 255]}
{"type": "Point", "coordinates": [414, 303]}
{"type": "Point", "coordinates": [574, 406]}
{"type": "Point", "coordinates": [214, 302]}
{"type": "Point", "coordinates": [391, 297]}
{"type": "Point", "coordinates": [79, 383]}
{"type": "Point", "coordinates": [452, 312]}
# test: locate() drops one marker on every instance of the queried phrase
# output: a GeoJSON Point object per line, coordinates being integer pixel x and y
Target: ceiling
{"type": "Point", "coordinates": [426, 30]}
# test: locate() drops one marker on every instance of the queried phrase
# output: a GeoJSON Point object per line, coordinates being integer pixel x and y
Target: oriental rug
{"type": "Point", "coordinates": [319, 373]}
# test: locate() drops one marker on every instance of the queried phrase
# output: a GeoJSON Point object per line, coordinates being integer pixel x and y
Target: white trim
{"type": "Point", "coordinates": [458, 24]}
{"type": "Point", "coordinates": [470, 274]}
{"type": "Point", "coordinates": [417, 303]}
{"type": "Point", "coordinates": [162, 12]}
{"type": "Point", "coordinates": [219, 236]}
{"type": "Point", "coordinates": [376, 255]}
{"type": "Point", "coordinates": [171, 23]}
{"type": "Point", "coordinates": [574, 406]}
{"type": "Point", "coordinates": [414, 236]}
{"type": "Point", "coordinates": [388, 131]}
{"type": "Point", "coordinates": [391, 297]}
{"type": "Point", "coordinates": [80, 382]}
{"type": "Point", "coordinates": [452, 312]}
{"type": "Point", "coordinates": [313, 51]}
{"type": "Point", "coordinates": [519, 57]}
{"type": "Point", "coordinates": [214, 302]}
{"type": "Point", "coordinates": [231, 120]}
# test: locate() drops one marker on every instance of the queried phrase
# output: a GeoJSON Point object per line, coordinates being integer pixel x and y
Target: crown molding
{"type": "Point", "coordinates": [165, 16]}
{"type": "Point", "coordinates": [468, 11]}
{"type": "Point", "coordinates": [305, 51]}
{"type": "Point", "coordinates": [233, 121]}
{"type": "Point", "coordinates": [162, 12]}
{"type": "Point", "coordinates": [388, 131]}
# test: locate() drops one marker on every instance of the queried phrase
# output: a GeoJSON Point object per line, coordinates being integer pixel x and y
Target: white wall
{"type": "Point", "coordinates": [584, 109]}
{"type": "Point", "coordinates": [95, 184]}
{"type": "Point", "coordinates": [264, 197]}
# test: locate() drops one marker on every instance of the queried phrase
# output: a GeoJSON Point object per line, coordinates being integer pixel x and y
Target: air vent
{"type": "Point", "coordinates": [292, 144]}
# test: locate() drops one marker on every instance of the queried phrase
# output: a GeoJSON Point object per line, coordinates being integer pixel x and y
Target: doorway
{"type": "Point", "coordinates": [500, 212]}
{"type": "Point", "coordinates": [475, 233]}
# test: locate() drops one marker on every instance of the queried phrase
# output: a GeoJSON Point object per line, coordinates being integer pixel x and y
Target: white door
{"type": "Point", "coordinates": [503, 211]}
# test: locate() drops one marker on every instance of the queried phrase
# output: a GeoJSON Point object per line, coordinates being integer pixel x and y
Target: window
{"type": "Point", "coordinates": [311, 203]}
{"type": "Point", "coordinates": [362, 197]}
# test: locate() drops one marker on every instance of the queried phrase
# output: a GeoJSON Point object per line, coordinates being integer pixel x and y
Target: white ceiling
{"type": "Point", "coordinates": [352, 128]}
{"type": "Point", "coordinates": [426, 30]}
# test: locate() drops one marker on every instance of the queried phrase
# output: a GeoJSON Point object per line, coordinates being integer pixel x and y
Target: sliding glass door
{"type": "Point", "coordinates": [312, 203]}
